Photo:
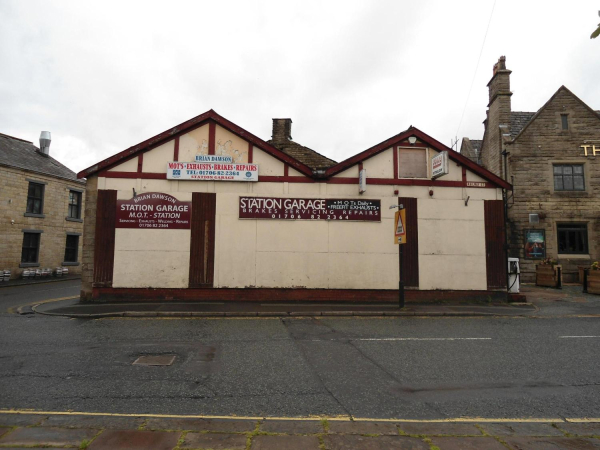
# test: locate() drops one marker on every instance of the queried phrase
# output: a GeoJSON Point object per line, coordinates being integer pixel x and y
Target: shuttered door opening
{"type": "Point", "coordinates": [494, 244]}
{"type": "Point", "coordinates": [411, 248]}
{"type": "Point", "coordinates": [202, 242]}
{"type": "Point", "coordinates": [104, 244]}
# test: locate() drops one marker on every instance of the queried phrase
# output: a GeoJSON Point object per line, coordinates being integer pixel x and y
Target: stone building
{"type": "Point", "coordinates": [551, 159]}
{"type": "Point", "coordinates": [41, 209]}
{"type": "Point", "coordinates": [209, 211]}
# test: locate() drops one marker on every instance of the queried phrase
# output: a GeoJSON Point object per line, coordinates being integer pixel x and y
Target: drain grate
{"type": "Point", "coordinates": [155, 360]}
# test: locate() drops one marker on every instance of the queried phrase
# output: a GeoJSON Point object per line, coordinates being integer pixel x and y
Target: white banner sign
{"type": "Point", "coordinates": [439, 165]}
{"type": "Point", "coordinates": [210, 167]}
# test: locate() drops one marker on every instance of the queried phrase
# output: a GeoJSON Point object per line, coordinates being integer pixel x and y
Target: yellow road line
{"type": "Point", "coordinates": [13, 310]}
{"type": "Point", "coordinates": [329, 418]}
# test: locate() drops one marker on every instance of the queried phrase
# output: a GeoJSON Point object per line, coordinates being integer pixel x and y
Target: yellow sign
{"type": "Point", "coordinates": [595, 151]}
{"type": "Point", "coordinates": [400, 227]}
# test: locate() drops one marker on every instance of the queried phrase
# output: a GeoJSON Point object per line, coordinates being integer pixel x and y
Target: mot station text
{"type": "Point", "coordinates": [212, 167]}
{"type": "Point", "coordinates": [309, 209]}
{"type": "Point", "coordinates": [153, 210]}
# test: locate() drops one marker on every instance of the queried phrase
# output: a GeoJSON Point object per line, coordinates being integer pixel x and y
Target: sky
{"type": "Point", "coordinates": [102, 76]}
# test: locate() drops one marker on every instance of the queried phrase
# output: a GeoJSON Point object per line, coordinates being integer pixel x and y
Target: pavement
{"type": "Point", "coordinates": [106, 431]}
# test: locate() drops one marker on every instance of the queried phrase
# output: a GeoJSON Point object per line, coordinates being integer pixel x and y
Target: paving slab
{"type": "Point", "coordinates": [216, 441]}
{"type": "Point", "coordinates": [222, 425]}
{"type": "Point", "coordinates": [292, 426]}
{"type": "Point", "coordinates": [440, 429]}
{"type": "Point", "coordinates": [3, 431]}
{"type": "Point", "coordinates": [581, 429]}
{"type": "Point", "coordinates": [285, 442]}
{"type": "Point", "coordinates": [467, 443]}
{"type": "Point", "coordinates": [55, 437]}
{"type": "Point", "coordinates": [352, 442]}
{"type": "Point", "coordinates": [20, 420]}
{"type": "Point", "coordinates": [134, 440]}
{"type": "Point", "coordinates": [520, 429]}
{"type": "Point", "coordinates": [111, 422]}
{"type": "Point", "coordinates": [552, 443]}
{"type": "Point", "coordinates": [355, 427]}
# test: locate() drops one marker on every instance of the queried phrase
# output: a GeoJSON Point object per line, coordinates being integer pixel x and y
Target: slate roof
{"type": "Point", "coordinates": [518, 120]}
{"type": "Point", "coordinates": [21, 154]}
{"type": "Point", "coordinates": [305, 155]}
{"type": "Point", "coordinates": [476, 144]}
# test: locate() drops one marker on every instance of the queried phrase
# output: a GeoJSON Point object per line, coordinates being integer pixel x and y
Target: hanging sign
{"type": "Point", "coordinates": [439, 165]}
{"type": "Point", "coordinates": [309, 209]}
{"type": "Point", "coordinates": [362, 181]}
{"type": "Point", "coordinates": [212, 167]}
{"type": "Point", "coordinates": [400, 227]}
{"type": "Point", "coordinates": [153, 210]}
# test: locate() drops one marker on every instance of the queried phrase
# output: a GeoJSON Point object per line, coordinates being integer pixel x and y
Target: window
{"type": "Point", "coordinates": [35, 198]}
{"type": "Point", "coordinates": [74, 205]}
{"type": "Point", "coordinates": [31, 248]}
{"type": "Point", "coordinates": [572, 238]}
{"type": "Point", "coordinates": [71, 248]}
{"type": "Point", "coordinates": [564, 119]}
{"type": "Point", "coordinates": [412, 163]}
{"type": "Point", "coordinates": [569, 177]}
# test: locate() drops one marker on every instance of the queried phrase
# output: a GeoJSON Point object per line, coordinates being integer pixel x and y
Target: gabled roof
{"type": "Point", "coordinates": [402, 138]}
{"type": "Point", "coordinates": [182, 128]}
{"type": "Point", "coordinates": [562, 88]}
{"type": "Point", "coordinates": [308, 156]}
{"type": "Point", "coordinates": [21, 154]}
{"type": "Point", "coordinates": [518, 120]}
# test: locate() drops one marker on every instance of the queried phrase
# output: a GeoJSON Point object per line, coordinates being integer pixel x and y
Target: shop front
{"type": "Point", "coordinates": [208, 211]}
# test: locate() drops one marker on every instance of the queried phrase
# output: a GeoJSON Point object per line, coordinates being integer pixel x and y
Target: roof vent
{"type": "Point", "coordinates": [45, 139]}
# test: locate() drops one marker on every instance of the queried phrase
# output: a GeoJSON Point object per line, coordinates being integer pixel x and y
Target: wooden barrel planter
{"type": "Point", "coordinates": [548, 275]}
{"type": "Point", "coordinates": [593, 282]}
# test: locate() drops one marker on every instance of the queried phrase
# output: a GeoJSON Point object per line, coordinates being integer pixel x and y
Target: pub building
{"type": "Point", "coordinates": [208, 211]}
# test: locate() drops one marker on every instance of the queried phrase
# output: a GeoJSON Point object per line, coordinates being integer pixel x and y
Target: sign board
{"type": "Point", "coordinates": [400, 227]}
{"type": "Point", "coordinates": [153, 210]}
{"type": "Point", "coordinates": [212, 168]}
{"type": "Point", "coordinates": [309, 209]}
{"type": "Point", "coordinates": [478, 184]}
{"type": "Point", "coordinates": [535, 244]}
{"type": "Point", "coordinates": [439, 165]}
{"type": "Point", "coordinates": [362, 181]}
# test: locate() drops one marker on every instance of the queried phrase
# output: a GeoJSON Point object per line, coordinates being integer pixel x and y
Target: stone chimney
{"type": "Point", "coordinates": [282, 130]}
{"type": "Point", "coordinates": [498, 118]}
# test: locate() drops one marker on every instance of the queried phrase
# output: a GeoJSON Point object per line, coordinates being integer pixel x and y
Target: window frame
{"type": "Point", "coordinates": [572, 227]}
{"type": "Point", "coordinates": [78, 195]}
{"type": "Point", "coordinates": [564, 122]}
{"type": "Point", "coordinates": [32, 212]}
{"type": "Point", "coordinates": [36, 248]}
{"type": "Point", "coordinates": [425, 150]}
{"type": "Point", "coordinates": [75, 261]}
{"type": "Point", "coordinates": [562, 175]}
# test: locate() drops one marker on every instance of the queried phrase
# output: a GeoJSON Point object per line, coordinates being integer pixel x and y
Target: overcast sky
{"type": "Point", "coordinates": [105, 75]}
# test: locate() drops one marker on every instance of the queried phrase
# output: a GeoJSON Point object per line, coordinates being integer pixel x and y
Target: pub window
{"type": "Point", "coordinates": [572, 238]}
{"type": "Point", "coordinates": [35, 198]}
{"type": "Point", "coordinates": [564, 118]}
{"type": "Point", "coordinates": [31, 248]}
{"type": "Point", "coordinates": [71, 248]}
{"type": "Point", "coordinates": [412, 163]}
{"type": "Point", "coordinates": [74, 205]}
{"type": "Point", "coordinates": [569, 177]}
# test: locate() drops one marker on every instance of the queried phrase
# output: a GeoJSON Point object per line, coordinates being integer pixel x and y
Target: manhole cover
{"type": "Point", "coordinates": [156, 360]}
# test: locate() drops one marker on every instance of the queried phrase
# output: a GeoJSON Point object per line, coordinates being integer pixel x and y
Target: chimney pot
{"type": "Point", "coordinates": [45, 139]}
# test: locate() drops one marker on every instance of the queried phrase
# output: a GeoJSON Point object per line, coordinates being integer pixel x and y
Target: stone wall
{"type": "Point", "coordinates": [13, 204]}
{"type": "Point", "coordinates": [532, 155]}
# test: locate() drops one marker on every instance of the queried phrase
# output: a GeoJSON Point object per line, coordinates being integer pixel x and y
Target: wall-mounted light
{"type": "Point", "coordinates": [412, 140]}
{"type": "Point", "coordinates": [430, 192]}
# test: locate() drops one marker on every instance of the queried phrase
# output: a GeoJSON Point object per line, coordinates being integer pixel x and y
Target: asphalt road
{"type": "Point", "coordinates": [406, 368]}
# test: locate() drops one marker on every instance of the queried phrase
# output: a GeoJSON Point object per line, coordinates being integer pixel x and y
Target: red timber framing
{"type": "Point", "coordinates": [104, 247]}
{"type": "Point", "coordinates": [202, 242]}
{"type": "Point", "coordinates": [411, 248]}
{"type": "Point", "coordinates": [495, 244]}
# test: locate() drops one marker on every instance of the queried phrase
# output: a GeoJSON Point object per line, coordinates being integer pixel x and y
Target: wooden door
{"type": "Point", "coordinates": [411, 248]}
{"type": "Point", "coordinates": [104, 244]}
{"type": "Point", "coordinates": [202, 242]}
{"type": "Point", "coordinates": [495, 244]}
